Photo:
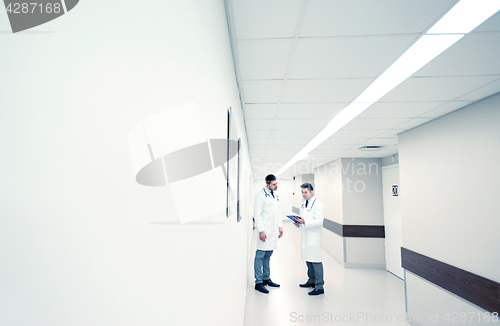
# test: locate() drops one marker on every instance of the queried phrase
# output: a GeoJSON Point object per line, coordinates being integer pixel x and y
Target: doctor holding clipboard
{"type": "Point", "coordinates": [310, 221]}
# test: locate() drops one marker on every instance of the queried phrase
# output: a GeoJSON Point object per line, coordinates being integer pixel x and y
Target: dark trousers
{"type": "Point", "coordinates": [315, 274]}
{"type": "Point", "coordinates": [261, 265]}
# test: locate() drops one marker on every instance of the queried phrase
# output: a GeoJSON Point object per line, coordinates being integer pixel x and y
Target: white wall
{"type": "Point", "coordinates": [351, 190]}
{"type": "Point", "coordinates": [364, 252]}
{"type": "Point", "coordinates": [76, 240]}
{"type": "Point", "coordinates": [297, 195]}
{"type": "Point", "coordinates": [328, 180]}
{"type": "Point", "coordinates": [362, 205]}
{"type": "Point", "coordinates": [362, 194]}
{"type": "Point", "coordinates": [449, 169]}
{"type": "Point", "coordinates": [285, 192]}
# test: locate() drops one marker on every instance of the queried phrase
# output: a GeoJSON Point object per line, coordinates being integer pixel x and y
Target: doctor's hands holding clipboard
{"type": "Point", "coordinates": [299, 220]}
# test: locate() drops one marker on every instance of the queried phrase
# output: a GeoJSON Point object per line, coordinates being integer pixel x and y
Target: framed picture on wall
{"type": "Point", "coordinates": [232, 168]}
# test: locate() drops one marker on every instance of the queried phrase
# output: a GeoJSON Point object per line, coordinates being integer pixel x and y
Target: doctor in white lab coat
{"type": "Point", "coordinates": [268, 223]}
{"type": "Point", "coordinates": [311, 217]}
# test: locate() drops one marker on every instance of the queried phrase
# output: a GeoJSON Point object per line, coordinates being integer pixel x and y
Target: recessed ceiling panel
{"type": "Point", "coordinates": [344, 141]}
{"type": "Point", "coordinates": [263, 59]}
{"type": "Point", "coordinates": [258, 134]}
{"type": "Point", "coordinates": [414, 123]}
{"type": "Point", "coordinates": [334, 147]}
{"type": "Point", "coordinates": [293, 146]}
{"type": "Point", "coordinates": [436, 88]}
{"type": "Point", "coordinates": [356, 133]}
{"type": "Point", "coordinates": [368, 17]}
{"type": "Point", "coordinates": [260, 124]}
{"type": "Point", "coordinates": [265, 18]}
{"type": "Point", "coordinates": [381, 142]}
{"type": "Point", "coordinates": [294, 134]}
{"type": "Point", "coordinates": [474, 54]}
{"type": "Point", "coordinates": [399, 109]}
{"type": "Point", "coordinates": [257, 147]}
{"type": "Point", "coordinates": [324, 90]}
{"type": "Point", "coordinates": [262, 91]}
{"type": "Point", "coordinates": [342, 57]}
{"type": "Point", "coordinates": [391, 133]}
{"type": "Point", "coordinates": [258, 141]}
{"type": "Point", "coordinates": [492, 24]}
{"type": "Point", "coordinates": [445, 109]}
{"type": "Point", "coordinates": [325, 153]}
{"type": "Point", "coordinates": [300, 124]}
{"type": "Point", "coordinates": [314, 110]}
{"type": "Point", "coordinates": [373, 123]}
{"type": "Point", "coordinates": [260, 111]}
{"type": "Point", "coordinates": [485, 91]}
{"type": "Point", "coordinates": [300, 142]}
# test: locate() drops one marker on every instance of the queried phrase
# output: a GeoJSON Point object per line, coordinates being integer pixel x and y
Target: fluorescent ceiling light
{"type": "Point", "coordinates": [462, 18]}
{"type": "Point", "coordinates": [465, 16]}
{"type": "Point", "coordinates": [418, 55]}
{"type": "Point", "coordinates": [340, 120]}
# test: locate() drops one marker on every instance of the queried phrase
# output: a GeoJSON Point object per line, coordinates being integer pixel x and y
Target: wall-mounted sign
{"type": "Point", "coordinates": [395, 190]}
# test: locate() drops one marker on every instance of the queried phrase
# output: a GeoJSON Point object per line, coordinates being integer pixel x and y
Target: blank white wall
{"type": "Point", "coordinates": [450, 207]}
{"type": "Point", "coordinates": [362, 194]}
{"type": "Point", "coordinates": [285, 192]}
{"type": "Point", "coordinates": [364, 252]}
{"type": "Point", "coordinates": [328, 189]}
{"type": "Point", "coordinates": [333, 244]}
{"type": "Point", "coordinates": [76, 241]}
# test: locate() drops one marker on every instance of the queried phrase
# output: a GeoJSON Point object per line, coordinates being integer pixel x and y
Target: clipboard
{"type": "Point", "coordinates": [292, 217]}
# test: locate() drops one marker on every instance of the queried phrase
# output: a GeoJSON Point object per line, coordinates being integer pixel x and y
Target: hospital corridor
{"type": "Point", "coordinates": [352, 296]}
{"type": "Point", "coordinates": [154, 154]}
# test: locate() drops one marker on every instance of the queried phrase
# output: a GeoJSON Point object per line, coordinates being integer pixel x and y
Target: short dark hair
{"type": "Point", "coordinates": [307, 185]}
{"type": "Point", "coordinates": [270, 178]}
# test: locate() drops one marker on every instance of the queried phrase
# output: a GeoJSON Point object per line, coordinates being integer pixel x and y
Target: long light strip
{"type": "Point", "coordinates": [465, 16]}
{"type": "Point", "coordinates": [467, 12]}
{"type": "Point", "coordinates": [418, 55]}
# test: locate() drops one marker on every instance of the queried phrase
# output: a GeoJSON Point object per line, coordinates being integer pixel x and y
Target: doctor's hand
{"type": "Point", "coordinates": [262, 236]}
{"type": "Point", "coordinates": [300, 219]}
{"type": "Point", "coordinates": [280, 233]}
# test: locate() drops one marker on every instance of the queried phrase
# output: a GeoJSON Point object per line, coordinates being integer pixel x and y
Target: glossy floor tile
{"type": "Point", "coordinates": [352, 296]}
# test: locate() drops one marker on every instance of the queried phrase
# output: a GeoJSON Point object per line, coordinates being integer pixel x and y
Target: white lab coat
{"type": "Point", "coordinates": [267, 215]}
{"type": "Point", "coordinates": [312, 230]}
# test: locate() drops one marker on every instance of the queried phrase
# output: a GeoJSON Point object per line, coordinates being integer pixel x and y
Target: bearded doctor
{"type": "Point", "coordinates": [267, 215]}
{"type": "Point", "coordinates": [311, 217]}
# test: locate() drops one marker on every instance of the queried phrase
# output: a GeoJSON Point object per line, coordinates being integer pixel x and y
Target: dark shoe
{"type": "Point", "coordinates": [316, 292]}
{"type": "Point", "coordinates": [261, 288]}
{"type": "Point", "coordinates": [307, 285]}
{"type": "Point", "coordinates": [270, 283]}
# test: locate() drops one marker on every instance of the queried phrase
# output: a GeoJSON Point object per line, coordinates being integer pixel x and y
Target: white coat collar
{"type": "Point", "coordinates": [312, 200]}
{"type": "Point", "coordinates": [268, 192]}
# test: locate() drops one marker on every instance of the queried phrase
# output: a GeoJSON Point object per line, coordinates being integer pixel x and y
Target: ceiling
{"type": "Point", "coordinates": [300, 62]}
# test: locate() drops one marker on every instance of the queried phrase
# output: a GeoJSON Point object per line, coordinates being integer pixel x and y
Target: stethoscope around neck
{"type": "Point", "coordinates": [310, 206]}
{"type": "Point", "coordinates": [269, 195]}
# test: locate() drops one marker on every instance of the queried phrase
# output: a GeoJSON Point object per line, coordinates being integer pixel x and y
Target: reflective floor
{"type": "Point", "coordinates": [352, 296]}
